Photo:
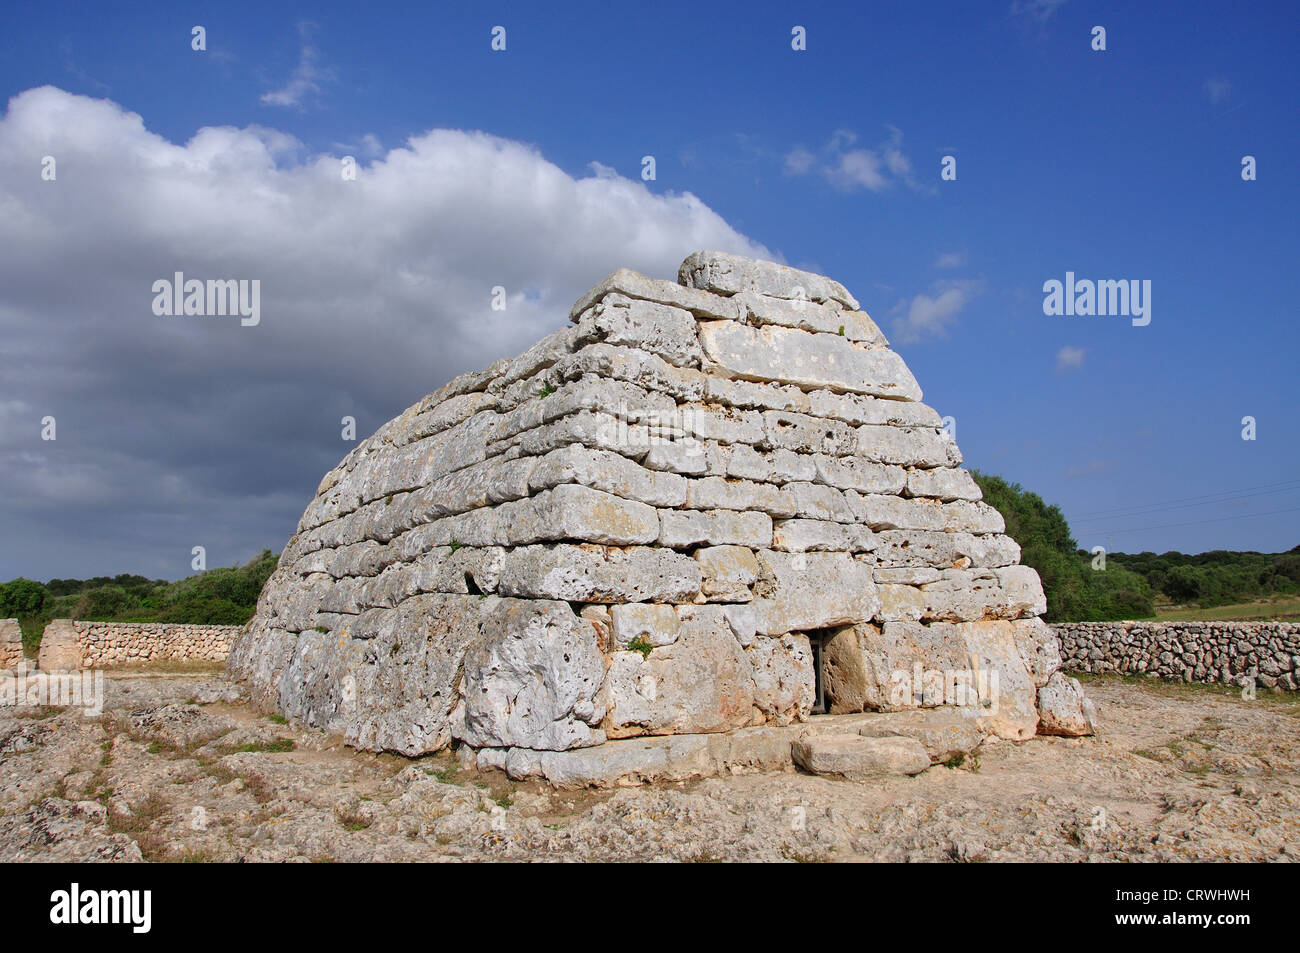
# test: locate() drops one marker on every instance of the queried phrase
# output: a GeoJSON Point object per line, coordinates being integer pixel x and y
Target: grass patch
{"type": "Point", "coordinates": [642, 645]}
{"type": "Point", "coordinates": [1268, 610]}
{"type": "Point", "coordinates": [39, 713]}
{"type": "Point", "coordinates": [1287, 701]}
{"type": "Point", "coordinates": [278, 746]}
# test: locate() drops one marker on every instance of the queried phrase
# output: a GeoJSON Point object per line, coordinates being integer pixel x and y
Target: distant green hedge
{"type": "Point", "coordinates": [226, 596]}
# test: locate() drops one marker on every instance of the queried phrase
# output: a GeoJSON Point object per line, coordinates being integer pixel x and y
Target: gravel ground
{"type": "Point", "coordinates": [178, 767]}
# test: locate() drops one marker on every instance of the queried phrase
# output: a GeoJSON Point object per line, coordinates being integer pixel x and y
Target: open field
{"type": "Point", "coordinates": [1284, 609]}
{"type": "Point", "coordinates": [179, 768]}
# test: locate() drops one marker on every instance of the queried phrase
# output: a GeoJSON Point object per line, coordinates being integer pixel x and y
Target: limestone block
{"type": "Point", "coordinates": [648, 371]}
{"type": "Point", "coordinates": [727, 572]}
{"type": "Point", "coordinates": [784, 682]}
{"type": "Point", "coordinates": [857, 409]}
{"type": "Point", "coordinates": [599, 574]}
{"type": "Point", "coordinates": [634, 322]}
{"type": "Point", "coordinates": [685, 456]}
{"type": "Point", "coordinates": [778, 466]}
{"type": "Point", "coordinates": [806, 535]}
{"type": "Point", "coordinates": [701, 683]}
{"type": "Point", "coordinates": [908, 447]}
{"type": "Point", "coordinates": [829, 318]}
{"type": "Point", "coordinates": [11, 643]}
{"type": "Point", "coordinates": [858, 758]}
{"type": "Point", "coordinates": [335, 681]}
{"type": "Point", "coordinates": [801, 591]}
{"type": "Point", "coordinates": [720, 424]}
{"type": "Point", "coordinates": [731, 274]}
{"type": "Point", "coordinates": [909, 548]}
{"type": "Point", "coordinates": [801, 433]}
{"type": "Point", "coordinates": [882, 512]}
{"type": "Point", "coordinates": [855, 473]}
{"type": "Point", "coordinates": [900, 603]}
{"type": "Point", "coordinates": [532, 681]}
{"type": "Point", "coordinates": [944, 733]}
{"type": "Point", "coordinates": [964, 595]}
{"type": "Point", "coordinates": [1039, 648]}
{"type": "Point", "coordinates": [816, 501]}
{"type": "Point", "coordinates": [631, 284]}
{"type": "Point", "coordinates": [743, 622]}
{"type": "Point", "coordinates": [540, 356]}
{"type": "Point", "coordinates": [684, 528]}
{"type": "Point", "coordinates": [908, 575]}
{"type": "Point", "coordinates": [1022, 590]}
{"type": "Point", "coordinates": [808, 360]}
{"type": "Point", "coordinates": [944, 483]}
{"type": "Point", "coordinates": [655, 624]}
{"type": "Point", "coordinates": [577, 512]}
{"type": "Point", "coordinates": [846, 681]}
{"type": "Point", "coordinates": [609, 472]}
{"type": "Point", "coordinates": [719, 493]}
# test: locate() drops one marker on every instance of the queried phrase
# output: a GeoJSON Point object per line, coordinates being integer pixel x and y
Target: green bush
{"type": "Point", "coordinates": [1075, 591]}
{"type": "Point", "coordinates": [225, 596]}
{"type": "Point", "coordinates": [22, 597]}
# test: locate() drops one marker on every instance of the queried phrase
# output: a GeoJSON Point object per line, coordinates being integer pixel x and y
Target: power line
{"type": "Point", "coordinates": [1158, 508]}
{"type": "Point", "coordinates": [1221, 496]}
{"type": "Point", "coordinates": [1218, 519]}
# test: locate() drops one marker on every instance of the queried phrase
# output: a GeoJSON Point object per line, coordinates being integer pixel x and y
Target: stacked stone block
{"type": "Point", "coordinates": [640, 526]}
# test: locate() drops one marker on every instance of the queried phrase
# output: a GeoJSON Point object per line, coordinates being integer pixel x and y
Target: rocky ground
{"type": "Point", "coordinates": [179, 768]}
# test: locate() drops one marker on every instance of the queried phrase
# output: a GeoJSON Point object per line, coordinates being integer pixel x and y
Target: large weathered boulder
{"type": "Point", "coordinates": [1063, 708]}
{"type": "Point", "coordinates": [682, 514]}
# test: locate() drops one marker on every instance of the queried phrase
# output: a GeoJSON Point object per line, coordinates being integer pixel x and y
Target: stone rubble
{"type": "Point", "coordinates": [657, 521]}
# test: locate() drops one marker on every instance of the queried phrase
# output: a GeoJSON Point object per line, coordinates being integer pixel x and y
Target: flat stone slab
{"type": "Point", "coordinates": [859, 758]}
{"type": "Point", "coordinates": [879, 745]}
{"type": "Point", "coordinates": [642, 760]}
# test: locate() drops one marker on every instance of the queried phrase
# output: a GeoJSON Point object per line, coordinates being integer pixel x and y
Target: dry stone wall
{"type": "Point", "coordinates": [654, 522]}
{"type": "Point", "coordinates": [106, 644]}
{"type": "Point", "coordinates": [1228, 652]}
{"type": "Point", "coordinates": [11, 643]}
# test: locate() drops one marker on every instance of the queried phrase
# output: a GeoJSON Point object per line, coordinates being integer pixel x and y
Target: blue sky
{"type": "Point", "coordinates": [1122, 164]}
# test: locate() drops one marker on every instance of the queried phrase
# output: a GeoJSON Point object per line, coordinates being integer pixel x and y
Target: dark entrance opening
{"type": "Point", "coordinates": [819, 699]}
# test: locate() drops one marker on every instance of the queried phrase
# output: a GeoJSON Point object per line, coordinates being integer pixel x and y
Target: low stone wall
{"type": "Point", "coordinates": [11, 643]}
{"type": "Point", "coordinates": [1228, 652]}
{"type": "Point", "coordinates": [67, 643]}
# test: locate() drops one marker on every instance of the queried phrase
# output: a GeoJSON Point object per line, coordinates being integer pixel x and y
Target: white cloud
{"type": "Point", "coordinates": [951, 260]}
{"type": "Point", "coordinates": [1039, 11]}
{"type": "Point", "coordinates": [1069, 357]}
{"type": "Point", "coordinates": [850, 169]}
{"type": "Point", "coordinates": [931, 315]}
{"type": "Point", "coordinates": [1217, 90]}
{"type": "Point", "coordinates": [306, 78]}
{"type": "Point", "coordinates": [374, 292]}
{"type": "Point", "coordinates": [799, 162]}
